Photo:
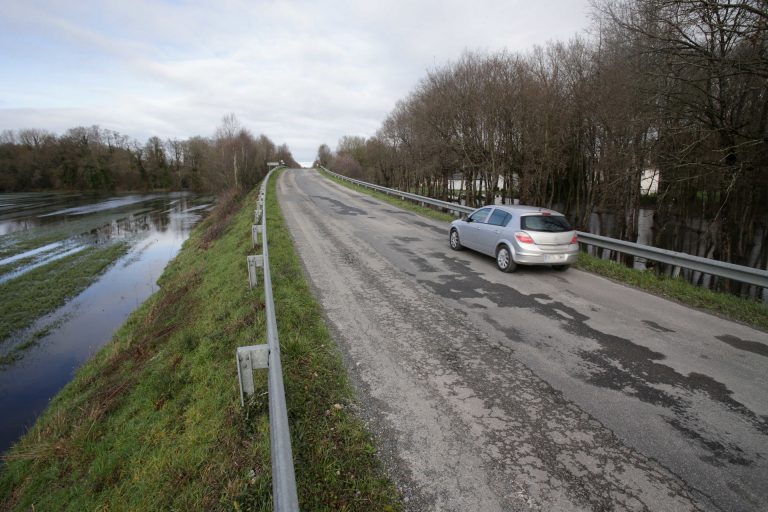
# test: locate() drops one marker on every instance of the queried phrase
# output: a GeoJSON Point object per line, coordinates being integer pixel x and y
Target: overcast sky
{"type": "Point", "coordinates": [301, 72]}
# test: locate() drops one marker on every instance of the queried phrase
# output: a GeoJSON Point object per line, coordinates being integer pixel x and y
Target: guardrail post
{"type": "Point", "coordinates": [257, 216]}
{"type": "Point", "coordinates": [255, 230]}
{"type": "Point", "coordinates": [254, 262]}
{"type": "Point", "coordinates": [250, 358]}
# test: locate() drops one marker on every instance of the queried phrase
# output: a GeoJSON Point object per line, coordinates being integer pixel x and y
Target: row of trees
{"type": "Point", "coordinates": [95, 158]}
{"type": "Point", "coordinates": [677, 88]}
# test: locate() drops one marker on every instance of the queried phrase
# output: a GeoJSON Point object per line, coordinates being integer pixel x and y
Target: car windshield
{"type": "Point", "coordinates": [548, 223]}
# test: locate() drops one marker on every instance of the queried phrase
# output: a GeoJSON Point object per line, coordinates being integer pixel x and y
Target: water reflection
{"type": "Point", "coordinates": [154, 225]}
{"type": "Point", "coordinates": [118, 219]}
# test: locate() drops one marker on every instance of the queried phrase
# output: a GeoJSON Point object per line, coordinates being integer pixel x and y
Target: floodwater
{"type": "Point", "coordinates": [53, 225]}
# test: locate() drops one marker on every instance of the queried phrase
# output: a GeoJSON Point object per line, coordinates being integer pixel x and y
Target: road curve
{"type": "Point", "coordinates": [536, 390]}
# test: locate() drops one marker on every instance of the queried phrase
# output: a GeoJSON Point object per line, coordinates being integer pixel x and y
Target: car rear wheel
{"type": "Point", "coordinates": [561, 268]}
{"type": "Point", "coordinates": [504, 259]}
{"type": "Point", "coordinates": [455, 241]}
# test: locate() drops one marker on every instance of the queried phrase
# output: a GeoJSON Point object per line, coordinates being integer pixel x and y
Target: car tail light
{"type": "Point", "coordinates": [524, 237]}
{"type": "Point", "coordinates": [574, 240]}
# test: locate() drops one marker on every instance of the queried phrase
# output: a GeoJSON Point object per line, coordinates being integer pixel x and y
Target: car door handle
{"type": "Point", "coordinates": [497, 231]}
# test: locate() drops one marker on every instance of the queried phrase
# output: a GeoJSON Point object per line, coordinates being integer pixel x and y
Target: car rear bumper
{"type": "Point", "coordinates": [538, 258]}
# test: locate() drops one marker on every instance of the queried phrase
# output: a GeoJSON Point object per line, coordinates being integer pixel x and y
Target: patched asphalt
{"type": "Point", "coordinates": [536, 390]}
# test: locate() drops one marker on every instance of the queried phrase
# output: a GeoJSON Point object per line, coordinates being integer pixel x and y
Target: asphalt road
{"type": "Point", "coordinates": [536, 390]}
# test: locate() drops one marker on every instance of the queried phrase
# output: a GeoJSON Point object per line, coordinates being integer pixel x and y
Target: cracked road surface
{"type": "Point", "coordinates": [536, 390]}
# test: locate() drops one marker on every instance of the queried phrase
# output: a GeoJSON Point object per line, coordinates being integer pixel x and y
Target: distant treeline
{"type": "Point", "coordinates": [678, 88]}
{"type": "Point", "coordinates": [94, 158]}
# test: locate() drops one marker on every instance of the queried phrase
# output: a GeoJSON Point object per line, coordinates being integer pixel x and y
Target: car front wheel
{"type": "Point", "coordinates": [504, 259]}
{"type": "Point", "coordinates": [455, 241]}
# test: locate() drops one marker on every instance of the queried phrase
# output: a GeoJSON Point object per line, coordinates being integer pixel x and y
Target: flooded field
{"type": "Point", "coordinates": [45, 239]}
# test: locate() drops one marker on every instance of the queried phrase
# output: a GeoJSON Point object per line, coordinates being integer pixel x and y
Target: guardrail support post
{"type": "Point", "coordinates": [257, 216]}
{"type": "Point", "coordinates": [250, 358]}
{"type": "Point", "coordinates": [255, 230]}
{"type": "Point", "coordinates": [254, 262]}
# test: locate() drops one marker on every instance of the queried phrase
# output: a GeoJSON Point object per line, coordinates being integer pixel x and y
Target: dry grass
{"type": "Point", "coordinates": [219, 219]}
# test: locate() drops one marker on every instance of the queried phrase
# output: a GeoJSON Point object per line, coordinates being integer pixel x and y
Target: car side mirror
{"type": "Point", "coordinates": [469, 219]}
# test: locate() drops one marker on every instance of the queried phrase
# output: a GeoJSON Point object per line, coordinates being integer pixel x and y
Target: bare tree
{"type": "Point", "coordinates": [678, 88]}
{"type": "Point", "coordinates": [324, 155]}
{"type": "Point", "coordinates": [710, 96]}
{"type": "Point", "coordinates": [95, 158]}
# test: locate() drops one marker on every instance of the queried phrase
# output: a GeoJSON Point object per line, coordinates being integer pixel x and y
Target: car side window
{"type": "Point", "coordinates": [499, 218]}
{"type": "Point", "coordinates": [480, 215]}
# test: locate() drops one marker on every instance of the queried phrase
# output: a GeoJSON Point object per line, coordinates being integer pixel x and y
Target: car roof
{"type": "Point", "coordinates": [522, 209]}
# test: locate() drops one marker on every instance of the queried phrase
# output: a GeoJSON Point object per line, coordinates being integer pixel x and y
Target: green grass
{"type": "Point", "coordinates": [729, 306]}
{"type": "Point", "coordinates": [15, 243]}
{"type": "Point", "coordinates": [154, 422]}
{"type": "Point", "coordinates": [46, 288]}
{"type": "Point", "coordinates": [17, 352]}
{"type": "Point", "coordinates": [10, 267]}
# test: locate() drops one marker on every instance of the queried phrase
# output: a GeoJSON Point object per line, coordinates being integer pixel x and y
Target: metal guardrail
{"type": "Point", "coordinates": [753, 276]}
{"type": "Point", "coordinates": [739, 273]}
{"type": "Point", "coordinates": [405, 195]}
{"type": "Point", "coordinates": [284, 496]}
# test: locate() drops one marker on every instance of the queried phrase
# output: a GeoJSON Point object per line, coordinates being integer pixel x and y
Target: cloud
{"type": "Point", "coordinates": [301, 72]}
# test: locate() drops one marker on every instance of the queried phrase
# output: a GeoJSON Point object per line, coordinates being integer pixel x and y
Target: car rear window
{"type": "Point", "coordinates": [548, 223]}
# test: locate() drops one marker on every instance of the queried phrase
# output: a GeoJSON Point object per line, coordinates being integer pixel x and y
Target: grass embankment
{"type": "Point", "coordinates": [153, 421]}
{"type": "Point", "coordinates": [729, 306]}
{"type": "Point", "coordinates": [46, 288]}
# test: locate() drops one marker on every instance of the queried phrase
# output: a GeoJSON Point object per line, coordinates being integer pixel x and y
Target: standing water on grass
{"type": "Point", "coordinates": [41, 232]}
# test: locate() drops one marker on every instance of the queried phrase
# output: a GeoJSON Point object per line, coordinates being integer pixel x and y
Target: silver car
{"type": "Point", "coordinates": [517, 235]}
